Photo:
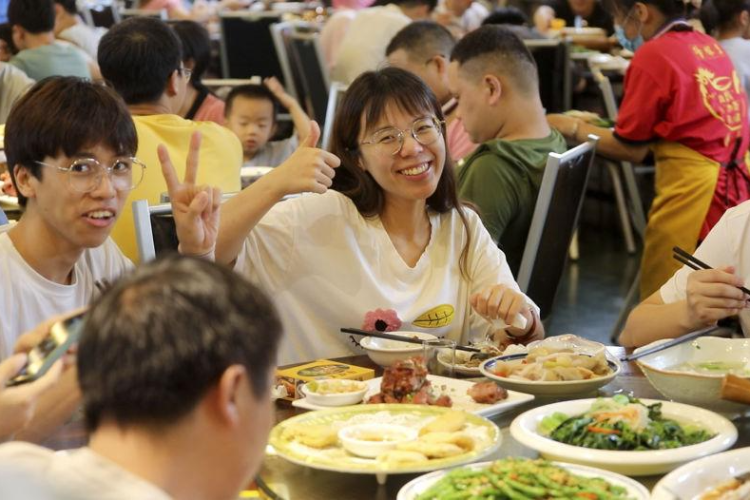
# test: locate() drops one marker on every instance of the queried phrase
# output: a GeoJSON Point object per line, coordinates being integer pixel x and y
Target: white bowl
{"type": "Point", "coordinates": [631, 463]}
{"type": "Point", "coordinates": [689, 387]}
{"type": "Point", "coordinates": [696, 478]}
{"type": "Point", "coordinates": [548, 388]}
{"type": "Point", "coordinates": [636, 491]}
{"type": "Point", "coordinates": [372, 440]}
{"type": "Point", "coordinates": [351, 397]}
{"type": "Point", "coordinates": [386, 352]}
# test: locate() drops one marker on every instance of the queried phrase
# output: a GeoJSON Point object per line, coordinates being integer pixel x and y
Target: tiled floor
{"type": "Point", "coordinates": [593, 289]}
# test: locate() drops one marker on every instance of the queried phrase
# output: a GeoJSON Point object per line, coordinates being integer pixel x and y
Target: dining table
{"type": "Point", "coordinates": [291, 481]}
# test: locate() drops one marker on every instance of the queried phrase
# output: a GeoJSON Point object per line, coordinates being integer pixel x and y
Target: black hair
{"type": "Point", "coordinates": [496, 49]}
{"type": "Point", "coordinates": [154, 344]}
{"type": "Point", "coordinates": [721, 14]}
{"type": "Point", "coordinates": [138, 56]}
{"type": "Point", "coordinates": [251, 91]}
{"type": "Point", "coordinates": [35, 16]}
{"type": "Point", "coordinates": [65, 114]}
{"type": "Point", "coordinates": [672, 9]}
{"type": "Point", "coordinates": [68, 5]}
{"type": "Point", "coordinates": [423, 40]}
{"type": "Point", "coordinates": [6, 35]}
{"type": "Point", "coordinates": [507, 16]}
{"type": "Point", "coordinates": [196, 45]}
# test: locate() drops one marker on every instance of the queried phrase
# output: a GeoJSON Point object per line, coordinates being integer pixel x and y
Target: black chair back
{"type": "Point", "coordinates": [100, 14]}
{"type": "Point", "coordinates": [554, 222]}
{"type": "Point", "coordinates": [307, 56]}
{"type": "Point", "coordinates": [247, 47]}
{"type": "Point", "coordinates": [555, 77]}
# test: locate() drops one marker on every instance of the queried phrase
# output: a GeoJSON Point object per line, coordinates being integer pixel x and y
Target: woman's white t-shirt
{"type": "Point", "coordinates": [27, 298]}
{"type": "Point", "coordinates": [327, 267]}
{"type": "Point", "coordinates": [728, 244]}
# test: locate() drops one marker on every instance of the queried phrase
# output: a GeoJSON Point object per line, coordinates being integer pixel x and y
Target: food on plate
{"type": "Point", "coordinates": [406, 382]}
{"type": "Point", "coordinates": [621, 423]}
{"type": "Point", "coordinates": [432, 450]}
{"type": "Point", "coordinates": [314, 436]}
{"type": "Point", "coordinates": [468, 360]}
{"type": "Point", "coordinates": [545, 363]}
{"type": "Point", "coordinates": [734, 489]}
{"type": "Point", "coordinates": [335, 386]}
{"type": "Point", "coordinates": [458, 438]}
{"type": "Point", "coordinates": [397, 458]}
{"type": "Point", "coordinates": [450, 421]}
{"type": "Point", "coordinates": [521, 478]}
{"type": "Point", "coordinates": [738, 368]}
{"type": "Point", "coordinates": [487, 392]}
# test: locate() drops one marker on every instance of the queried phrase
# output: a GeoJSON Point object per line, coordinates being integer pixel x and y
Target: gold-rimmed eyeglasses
{"type": "Point", "coordinates": [390, 140]}
{"type": "Point", "coordinates": [85, 174]}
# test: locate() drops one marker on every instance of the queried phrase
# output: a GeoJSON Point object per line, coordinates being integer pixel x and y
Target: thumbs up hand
{"type": "Point", "coordinates": [309, 169]}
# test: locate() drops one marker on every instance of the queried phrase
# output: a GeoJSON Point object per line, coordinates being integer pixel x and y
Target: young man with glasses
{"type": "Point", "coordinates": [142, 58]}
{"type": "Point", "coordinates": [70, 145]}
{"type": "Point", "coordinates": [494, 78]}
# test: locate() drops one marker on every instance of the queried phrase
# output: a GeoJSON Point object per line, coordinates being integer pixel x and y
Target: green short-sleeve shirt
{"type": "Point", "coordinates": [502, 179]}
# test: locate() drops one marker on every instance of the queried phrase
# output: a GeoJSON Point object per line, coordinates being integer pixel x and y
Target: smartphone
{"type": "Point", "coordinates": [60, 338]}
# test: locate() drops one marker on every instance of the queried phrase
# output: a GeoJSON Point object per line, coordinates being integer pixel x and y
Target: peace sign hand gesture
{"type": "Point", "coordinates": [195, 208]}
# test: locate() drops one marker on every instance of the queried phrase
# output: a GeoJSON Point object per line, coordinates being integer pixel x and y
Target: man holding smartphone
{"type": "Point", "coordinates": [175, 364]}
{"type": "Point", "coordinates": [70, 146]}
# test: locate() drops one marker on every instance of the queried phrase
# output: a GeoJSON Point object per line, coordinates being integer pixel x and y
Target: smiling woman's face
{"type": "Point", "coordinates": [412, 173]}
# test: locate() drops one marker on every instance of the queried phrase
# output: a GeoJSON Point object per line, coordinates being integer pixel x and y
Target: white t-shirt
{"type": "Point", "coordinates": [13, 84]}
{"type": "Point", "coordinates": [728, 244]}
{"type": "Point", "coordinates": [738, 50]}
{"type": "Point", "coordinates": [327, 267]}
{"type": "Point", "coordinates": [84, 36]}
{"type": "Point", "coordinates": [363, 46]}
{"type": "Point", "coordinates": [80, 474]}
{"type": "Point", "coordinates": [27, 298]}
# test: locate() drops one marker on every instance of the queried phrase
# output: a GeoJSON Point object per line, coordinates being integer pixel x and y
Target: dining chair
{"type": "Point", "coordinates": [100, 14]}
{"type": "Point", "coordinates": [308, 57]}
{"type": "Point", "coordinates": [154, 229]}
{"type": "Point", "coordinates": [555, 73]}
{"type": "Point", "coordinates": [554, 222]}
{"type": "Point", "coordinates": [247, 47]}
{"type": "Point", "coordinates": [335, 96]}
{"type": "Point", "coordinates": [282, 34]}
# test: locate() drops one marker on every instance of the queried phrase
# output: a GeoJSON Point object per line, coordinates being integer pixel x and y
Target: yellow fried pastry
{"type": "Point", "coordinates": [395, 458]}
{"type": "Point", "coordinates": [451, 421]}
{"type": "Point", "coordinates": [432, 450]}
{"type": "Point", "coordinates": [460, 439]}
{"type": "Point", "coordinates": [314, 436]}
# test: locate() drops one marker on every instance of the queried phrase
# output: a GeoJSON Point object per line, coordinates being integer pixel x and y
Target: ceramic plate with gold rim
{"type": "Point", "coordinates": [486, 436]}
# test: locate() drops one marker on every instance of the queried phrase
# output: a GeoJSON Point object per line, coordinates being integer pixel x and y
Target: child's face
{"type": "Point", "coordinates": [252, 121]}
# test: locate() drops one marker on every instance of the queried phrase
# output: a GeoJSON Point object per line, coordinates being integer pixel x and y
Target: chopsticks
{"type": "Point", "coordinates": [399, 338]}
{"type": "Point", "coordinates": [694, 262]}
{"type": "Point", "coordinates": [673, 342]}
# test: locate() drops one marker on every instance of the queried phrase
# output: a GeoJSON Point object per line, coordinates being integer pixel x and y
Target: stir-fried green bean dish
{"type": "Point", "coordinates": [622, 423]}
{"type": "Point", "coordinates": [520, 479]}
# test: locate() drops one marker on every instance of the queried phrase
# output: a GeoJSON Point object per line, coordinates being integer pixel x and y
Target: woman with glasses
{"type": "Point", "coordinates": [682, 101]}
{"type": "Point", "coordinates": [389, 247]}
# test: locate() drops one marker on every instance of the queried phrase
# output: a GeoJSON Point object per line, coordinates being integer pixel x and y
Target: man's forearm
{"type": "Point", "coordinates": [609, 146]}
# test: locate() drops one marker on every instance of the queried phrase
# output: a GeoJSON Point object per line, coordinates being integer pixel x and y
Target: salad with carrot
{"type": "Point", "coordinates": [621, 423]}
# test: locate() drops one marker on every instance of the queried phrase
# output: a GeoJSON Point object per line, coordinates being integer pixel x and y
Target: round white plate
{"type": "Point", "coordinates": [696, 478]}
{"type": "Point", "coordinates": [636, 491]}
{"type": "Point", "coordinates": [546, 388]}
{"type": "Point", "coordinates": [631, 463]}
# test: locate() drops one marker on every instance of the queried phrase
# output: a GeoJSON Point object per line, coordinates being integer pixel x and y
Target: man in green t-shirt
{"type": "Point", "coordinates": [494, 78]}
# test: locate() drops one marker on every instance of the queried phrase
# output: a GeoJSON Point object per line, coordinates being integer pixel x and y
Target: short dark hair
{"type": "Point", "coordinates": [35, 16]}
{"type": "Point", "coordinates": [671, 9]}
{"type": "Point", "coordinates": [65, 114]}
{"type": "Point", "coordinates": [422, 40]}
{"type": "Point", "coordinates": [495, 49]}
{"type": "Point", "coordinates": [721, 14]}
{"type": "Point", "coordinates": [68, 5]}
{"type": "Point", "coordinates": [251, 91]}
{"type": "Point", "coordinates": [512, 16]}
{"type": "Point", "coordinates": [137, 56]}
{"type": "Point", "coordinates": [196, 45]}
{"type": "Point", "coordinates": [155, 343]}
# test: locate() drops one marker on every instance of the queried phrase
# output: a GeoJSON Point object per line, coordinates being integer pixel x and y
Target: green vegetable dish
{"type": "Point", "coordinates": [622, 423]}
{"type": "Point", "coordinates": [520, 479]}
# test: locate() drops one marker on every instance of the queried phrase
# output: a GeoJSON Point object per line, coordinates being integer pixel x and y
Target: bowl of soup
{"type": "Point", "coordinates": [692, 372]}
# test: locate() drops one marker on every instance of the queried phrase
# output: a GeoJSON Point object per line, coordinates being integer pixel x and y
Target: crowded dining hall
{"type": "Point", "coordinates": [374, 249]}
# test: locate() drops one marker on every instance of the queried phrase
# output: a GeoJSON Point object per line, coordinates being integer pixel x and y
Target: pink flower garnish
{"type": "Point", "coordinates": [382, 320]}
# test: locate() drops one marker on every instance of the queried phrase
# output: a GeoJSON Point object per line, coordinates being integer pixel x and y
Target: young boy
{"type": "Point", "coordinates": [251, 114]}
{"type": "Point", "coordinates": [494, 78]}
